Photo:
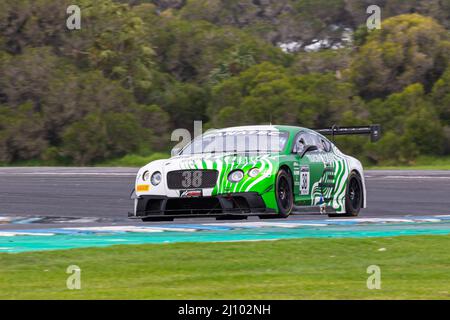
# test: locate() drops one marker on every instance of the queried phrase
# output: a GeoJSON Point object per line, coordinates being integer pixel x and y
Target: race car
{"type": "Point", "coordinates": [266, 170]}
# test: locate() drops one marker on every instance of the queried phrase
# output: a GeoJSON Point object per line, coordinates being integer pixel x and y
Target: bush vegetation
{"type": "Point", "coordinates": [139, 69]}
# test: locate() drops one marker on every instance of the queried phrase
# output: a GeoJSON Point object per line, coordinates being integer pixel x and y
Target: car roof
{"type": "Point", "coordinates": [292, 130]}
{"type": "Point", "coordinates": [263, 127]}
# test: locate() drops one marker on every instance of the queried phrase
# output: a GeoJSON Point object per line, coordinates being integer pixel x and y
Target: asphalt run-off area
{"type": "Point", "coordinates": [62, 208]}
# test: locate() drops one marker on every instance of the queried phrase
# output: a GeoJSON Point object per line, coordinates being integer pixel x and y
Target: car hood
{"type": "Point", "coordinates": [218, 161]}
{"type": "Point", "coordinates": [224, 163]}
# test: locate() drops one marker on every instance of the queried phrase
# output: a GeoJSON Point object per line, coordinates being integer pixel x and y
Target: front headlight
{"type": "Point", "coordinates": [253, 172]}
{"type": "Point", "coordinates": [236, 176]}
{"type": "Point", "coordinates": [156, 178]}
{"type": "Point", "coordinates": [146, 176]}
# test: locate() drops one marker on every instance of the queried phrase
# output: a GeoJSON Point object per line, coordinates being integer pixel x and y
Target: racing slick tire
{"type": "Point", "coordinates": [283, 195]}
{"type": "Point", "coordinates": [353, 197]}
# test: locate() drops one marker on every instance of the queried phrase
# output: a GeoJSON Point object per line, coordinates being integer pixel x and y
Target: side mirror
{"type": "Point", "coordinates": [175, 152]}
{"type": "Point", "coordinates": [307, 149]}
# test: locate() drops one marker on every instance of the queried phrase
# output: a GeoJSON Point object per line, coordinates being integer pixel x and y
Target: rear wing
{"type": "Point", "coordinates": [373, 130]}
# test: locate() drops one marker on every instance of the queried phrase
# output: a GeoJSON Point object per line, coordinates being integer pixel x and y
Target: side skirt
{"type": "Point", "coordinates": [323, 209]}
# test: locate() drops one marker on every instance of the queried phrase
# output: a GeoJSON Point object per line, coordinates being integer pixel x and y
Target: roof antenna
{"type": "Point", "coordinates": [270, 120]}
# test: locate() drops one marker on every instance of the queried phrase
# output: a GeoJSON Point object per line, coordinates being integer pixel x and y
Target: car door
{"type": "Point", "coordinates": [325, 187]}
{"type": "Point", "coordinates": [308, 168]}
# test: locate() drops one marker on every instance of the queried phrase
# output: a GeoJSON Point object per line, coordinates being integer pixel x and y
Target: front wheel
{"type": "Point", "coordinates": [283, 195]}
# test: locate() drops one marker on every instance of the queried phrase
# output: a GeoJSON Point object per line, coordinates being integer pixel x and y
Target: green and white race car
{"type": "Point", "coordinates": [268, 171]}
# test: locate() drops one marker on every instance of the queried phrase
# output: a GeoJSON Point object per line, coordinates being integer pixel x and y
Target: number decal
{"type": "Point", "coordinates": [197, 179]}
{"type": "Point", "coordinates": [304, 180]}
{"type": "Point", "coordinates": [192, 179]}
{"type": "Point", "coordinates": [187, 179]}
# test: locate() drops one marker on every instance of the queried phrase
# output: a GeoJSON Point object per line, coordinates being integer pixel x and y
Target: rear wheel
{"type": "Point", "coordinates": [284, 196]}
{"type": "Point", "coordinates": [353, 197]}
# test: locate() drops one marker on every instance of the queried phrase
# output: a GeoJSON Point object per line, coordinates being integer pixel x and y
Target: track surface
{"type": "Point", "coordinates": [104, 193]}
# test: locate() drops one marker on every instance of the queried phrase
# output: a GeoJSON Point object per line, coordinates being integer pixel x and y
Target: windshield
{"type": "Point", "coordinates": [239, 141]}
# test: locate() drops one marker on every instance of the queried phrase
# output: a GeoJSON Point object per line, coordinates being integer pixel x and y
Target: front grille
{"type": "Point", "coordinates": [192, 179]}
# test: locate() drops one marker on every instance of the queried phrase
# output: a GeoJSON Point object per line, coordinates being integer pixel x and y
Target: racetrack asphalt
{"type": "Point", "coordinates": [104, 194]}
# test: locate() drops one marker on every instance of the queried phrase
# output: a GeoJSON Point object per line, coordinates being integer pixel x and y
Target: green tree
{"type": "Point", "coordinates": [441, 97]}
{"type": "Point", "coordinates": [411, 126]}
{"type": "Point", "coordinates": [22, 133]}
{"type": "Point", "coordinates": [57, 90]}
{"type": "Point", "coordinates": [155, 124]}
{"type": "Point", "coordinates": [113, 37]}
{"type": "Point", "coordinates": [267, 93]}
{"type": "Point", "coordinates": [101, 136]}
{"type": "Point", "coordinates": [192, 50]}
{"type": "Point", "coordinates": [322, 61]}
{"type": "Point", "coordinates": [408, 49]}
{"type": "Point", "coordinates": [185, 102]}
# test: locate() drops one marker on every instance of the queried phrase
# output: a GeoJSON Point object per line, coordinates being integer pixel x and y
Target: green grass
{"type": "Point", "coordinates": [411, 268]}
{"type": "Point", "coordinates": [421, 163]}
{"type": "Point", "coordinates": [134, 160]}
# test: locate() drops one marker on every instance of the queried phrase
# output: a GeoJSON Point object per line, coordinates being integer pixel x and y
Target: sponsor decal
{"type": "Point", "coordinates": [304, 180]}
{"type": "Point", "coordinates": [321, 157]}
{"type": "Point", "coordinates": [191, 193]}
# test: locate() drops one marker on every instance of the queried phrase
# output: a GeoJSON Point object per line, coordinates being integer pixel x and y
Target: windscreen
{"type": "Point", "coordinates": [239, 141]}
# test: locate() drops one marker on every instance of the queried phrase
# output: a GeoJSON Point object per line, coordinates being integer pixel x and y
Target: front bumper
{"type": "Point", "coordinates": [245, 204]}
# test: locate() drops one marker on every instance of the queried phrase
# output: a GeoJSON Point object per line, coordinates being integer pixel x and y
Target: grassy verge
{"type": "Point", "coordinates": [421, 163]}
{"type": "Point", "coordinates": [133, 160]}
{"type": "Point", "coordinates": [411, 268]}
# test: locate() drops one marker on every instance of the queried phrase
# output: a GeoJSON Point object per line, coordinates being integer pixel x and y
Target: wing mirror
{"type": "Point", "coordinates": [175, 151]}
{"type": "Point", "coordinates": [307, 149]}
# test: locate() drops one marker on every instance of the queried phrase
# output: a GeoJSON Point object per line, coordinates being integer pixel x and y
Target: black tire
{"type": "Point", "coordinates": [353, 197]}
{"type": "Point", "coordinates": [283, 194]}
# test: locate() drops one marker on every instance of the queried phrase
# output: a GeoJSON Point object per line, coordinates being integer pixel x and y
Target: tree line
{"type": "Point", "coordinates": [139, 69]}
